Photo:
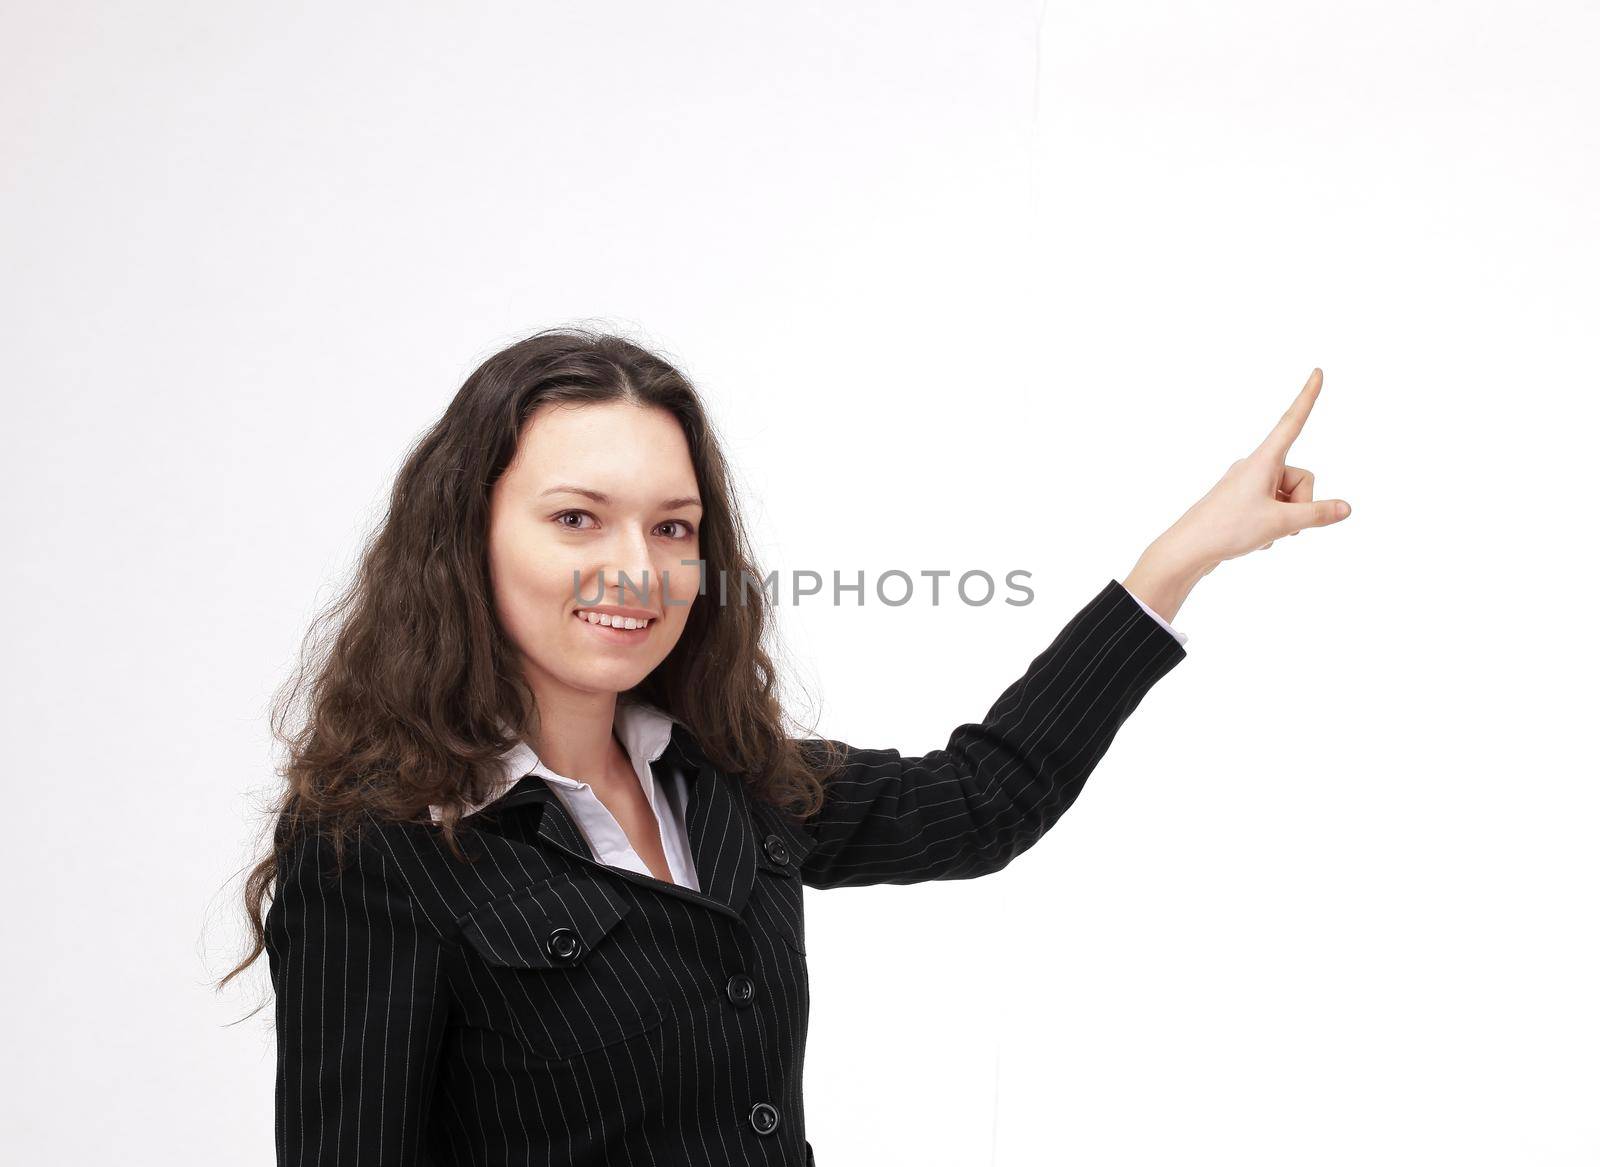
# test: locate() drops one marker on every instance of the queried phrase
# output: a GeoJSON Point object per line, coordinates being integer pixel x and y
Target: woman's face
{"type": "Point", "coordinates": [595, 492]}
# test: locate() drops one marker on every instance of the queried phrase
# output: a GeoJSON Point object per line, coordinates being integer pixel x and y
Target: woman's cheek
{"type": "Point", "coordinates": [682, 580]}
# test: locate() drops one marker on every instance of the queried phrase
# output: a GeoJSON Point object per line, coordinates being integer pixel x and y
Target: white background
{"type": "Point", "coordinates": [995, 285]}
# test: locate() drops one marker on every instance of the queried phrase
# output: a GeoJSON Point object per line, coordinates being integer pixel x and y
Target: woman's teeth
{"type": "Point", "coordinates": [612, 621]}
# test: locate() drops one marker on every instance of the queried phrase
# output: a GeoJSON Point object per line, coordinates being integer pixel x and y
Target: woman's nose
{"type": "Point", "coordinates": [629, 575]}
{"type": "Point", "coordinates": [632, 588]}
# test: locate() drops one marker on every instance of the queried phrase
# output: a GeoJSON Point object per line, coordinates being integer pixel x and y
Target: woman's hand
{"type": "Point", "coordinates": [1258, 501]}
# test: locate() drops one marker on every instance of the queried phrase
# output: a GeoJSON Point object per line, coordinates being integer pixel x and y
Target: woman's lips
{"type": "Point", "coordinates": [615, 635]}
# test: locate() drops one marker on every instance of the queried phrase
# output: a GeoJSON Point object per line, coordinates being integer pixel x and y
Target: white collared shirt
{"type": "Point", "coordinates": [644, 731]}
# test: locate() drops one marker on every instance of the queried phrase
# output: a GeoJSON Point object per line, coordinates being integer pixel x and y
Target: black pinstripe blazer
{"type": "Point", "coordinates": [533, 1006]}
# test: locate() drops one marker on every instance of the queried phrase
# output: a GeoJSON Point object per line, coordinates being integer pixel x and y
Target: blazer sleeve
{"type": "Point", "coordinates": [970, 808]}
{"type": "Point", "coordinates": [361, 1008]}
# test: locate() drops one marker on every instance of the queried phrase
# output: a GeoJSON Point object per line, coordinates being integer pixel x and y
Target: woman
{"type": "Point", "coordinates": [538, 867]}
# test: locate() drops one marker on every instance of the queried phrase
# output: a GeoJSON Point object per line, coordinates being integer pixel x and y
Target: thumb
{"type": "Point", "coordinates": [1321, 513]}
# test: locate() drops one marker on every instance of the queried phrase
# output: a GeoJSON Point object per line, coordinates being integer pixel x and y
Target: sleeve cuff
{"type": "Point", "coordinates": [1182, 637]}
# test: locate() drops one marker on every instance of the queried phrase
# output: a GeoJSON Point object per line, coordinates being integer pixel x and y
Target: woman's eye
{"type": "Point", "coordinates": [572, 520]}
{"type": "Point", "coordinates": [572, 515]}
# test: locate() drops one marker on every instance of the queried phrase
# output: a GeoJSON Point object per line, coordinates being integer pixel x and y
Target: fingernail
{"type": "Point", "coordinates": [1342, 509]}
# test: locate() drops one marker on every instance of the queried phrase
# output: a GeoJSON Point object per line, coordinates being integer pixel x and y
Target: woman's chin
{"type": "Point", "coordinates": [589, 672]}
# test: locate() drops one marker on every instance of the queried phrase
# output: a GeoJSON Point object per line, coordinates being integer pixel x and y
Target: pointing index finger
{"type": "Point", "coordinates": [1283, 434]}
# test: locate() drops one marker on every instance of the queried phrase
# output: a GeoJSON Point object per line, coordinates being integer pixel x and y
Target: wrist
{"type": "Point", "coordinates": [1163, 578]}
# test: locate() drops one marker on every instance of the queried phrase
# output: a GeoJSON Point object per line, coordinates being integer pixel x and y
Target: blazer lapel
{"type": "Point", "coordinates": [721, 838]}
{"type": "Point", "coordinates": [721, 841]}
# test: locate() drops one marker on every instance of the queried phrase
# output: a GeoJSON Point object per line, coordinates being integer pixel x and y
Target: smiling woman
{"type": "Point", "coordinates": [536, 875]}
{"type": "Point", "coordinates": [524, 670]}
{"type": "Point", "coordinates": [597, 595]}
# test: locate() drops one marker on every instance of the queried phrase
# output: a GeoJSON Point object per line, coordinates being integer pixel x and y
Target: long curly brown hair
{"type": "Point", "coordinates": [407, 678]}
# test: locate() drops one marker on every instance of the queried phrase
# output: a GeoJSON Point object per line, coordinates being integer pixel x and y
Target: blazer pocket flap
{"type": "Point", "coordinates": [555, 924]}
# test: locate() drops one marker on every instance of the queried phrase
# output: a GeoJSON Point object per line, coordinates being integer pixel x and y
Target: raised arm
{"type": "Point", "coordinates": [361, 1009]}
{"type": "Point", "coordinates": [997, 786]}
{"type": "Point", "coordinates": [991, 793]}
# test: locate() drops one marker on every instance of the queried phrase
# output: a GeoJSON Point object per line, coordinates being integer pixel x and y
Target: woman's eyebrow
{"type": "Point", "coordinates": [567, 488]}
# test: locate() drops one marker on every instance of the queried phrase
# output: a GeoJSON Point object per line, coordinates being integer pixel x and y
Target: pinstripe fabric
{"type": "Point", "coordinates": [534, 1006]}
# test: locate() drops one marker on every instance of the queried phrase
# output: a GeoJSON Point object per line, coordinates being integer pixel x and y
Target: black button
{"type": "Point", "coordinates": [563, 944]}
{"type": "Point", "coordinates": [764, 1117]}
{"type": "Point", "coordinates": [741, 989]}
{"type": "Point", "coordinates": [776, 851]}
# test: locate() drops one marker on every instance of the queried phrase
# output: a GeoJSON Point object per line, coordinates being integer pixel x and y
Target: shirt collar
{"type": "Point", "coordinates": [643, 729]}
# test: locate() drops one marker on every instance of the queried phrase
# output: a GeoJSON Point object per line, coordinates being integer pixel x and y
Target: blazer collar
{"type": "Point", "coordinates": [722, 838]}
